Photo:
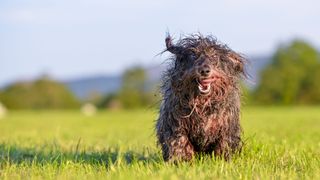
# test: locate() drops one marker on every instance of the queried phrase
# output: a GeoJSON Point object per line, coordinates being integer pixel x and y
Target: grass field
{"type": "Point", "coordinates": [281, 143]}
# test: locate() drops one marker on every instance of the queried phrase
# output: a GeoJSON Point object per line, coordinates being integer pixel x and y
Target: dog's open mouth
{"type": "Point", "coordinates": [204, 85]}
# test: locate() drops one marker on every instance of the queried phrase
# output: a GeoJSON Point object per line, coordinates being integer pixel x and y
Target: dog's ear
{"type": "Point", "coordinates": [171, 47]}
{"type": "Point", "coordinates": [238, 61]}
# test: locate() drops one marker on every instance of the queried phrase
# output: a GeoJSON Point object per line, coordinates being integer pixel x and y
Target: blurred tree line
{"type": "Point", "coordinates": [46, 93]}
{"type": "Point", "coordinates": [135, 92]}
{"type": "Point", "coordinates": [40, 94]}
{"type": "Point", "coordinates": [292, 77]}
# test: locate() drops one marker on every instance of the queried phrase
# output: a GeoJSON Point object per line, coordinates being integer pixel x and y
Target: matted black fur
{"type": "Point", "coordinates": [201, 99]}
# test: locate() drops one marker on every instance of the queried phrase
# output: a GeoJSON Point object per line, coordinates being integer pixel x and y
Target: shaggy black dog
{"type": "Point", "coordinates": [201, 100]}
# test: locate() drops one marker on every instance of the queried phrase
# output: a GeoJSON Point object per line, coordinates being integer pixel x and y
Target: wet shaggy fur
{"type": "Point", "coordinates": [191, 122]}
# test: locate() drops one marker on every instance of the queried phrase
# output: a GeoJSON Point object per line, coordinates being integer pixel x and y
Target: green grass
{"type": "Point", "coordinates": [281, 143]}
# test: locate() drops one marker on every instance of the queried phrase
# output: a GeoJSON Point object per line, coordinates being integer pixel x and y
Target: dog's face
{"type": "Point", "coordinates": [205, 66]}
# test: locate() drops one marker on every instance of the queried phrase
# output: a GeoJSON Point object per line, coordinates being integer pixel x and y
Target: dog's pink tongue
{"type": "Point", "coordinates": [204, 85]}
{"type": "Point", "coordinates": [205, 82]}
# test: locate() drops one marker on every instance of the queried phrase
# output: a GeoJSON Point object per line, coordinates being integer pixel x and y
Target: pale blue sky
{"type": "Point", "coordinates": [72, 38]}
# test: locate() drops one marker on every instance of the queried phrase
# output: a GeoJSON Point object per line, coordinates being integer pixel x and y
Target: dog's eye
{"type": "Point", "coordinates": [192, 56]}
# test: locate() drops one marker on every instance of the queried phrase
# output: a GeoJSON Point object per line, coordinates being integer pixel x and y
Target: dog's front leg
{"type": "Point", "coordinates": [179, 149]}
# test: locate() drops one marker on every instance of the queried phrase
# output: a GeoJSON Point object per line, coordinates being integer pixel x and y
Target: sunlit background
{"type": "Point", "coordinates": [89, 45]}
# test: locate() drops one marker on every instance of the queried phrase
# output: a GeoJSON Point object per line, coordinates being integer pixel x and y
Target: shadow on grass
{"type": "Point", "coordinates": [13, 154]}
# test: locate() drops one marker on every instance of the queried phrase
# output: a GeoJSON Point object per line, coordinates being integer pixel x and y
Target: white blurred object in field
{"type": "Point", "coordinates": [3, 110]}
{"type": "Point", "coordinates": [89, 109]}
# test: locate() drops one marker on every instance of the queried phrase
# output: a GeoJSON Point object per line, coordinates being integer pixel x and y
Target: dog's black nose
{"type": "Point", "coordinates": [204, 71]}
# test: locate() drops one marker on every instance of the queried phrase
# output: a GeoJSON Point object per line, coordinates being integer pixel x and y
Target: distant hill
{"type": "Point", "coordinates": [254, 67]}
{"type": "Point", "coordinates": [84, 87]}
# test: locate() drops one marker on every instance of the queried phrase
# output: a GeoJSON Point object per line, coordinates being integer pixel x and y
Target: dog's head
{"type": "Point", "coordinates": [203, 66]}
